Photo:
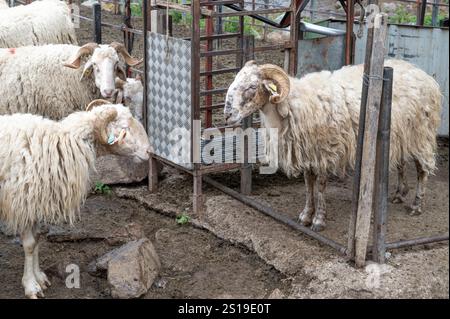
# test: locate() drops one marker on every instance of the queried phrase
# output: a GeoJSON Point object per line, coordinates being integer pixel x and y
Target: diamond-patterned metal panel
{"type": "Point", "coordinates": [169, 98]}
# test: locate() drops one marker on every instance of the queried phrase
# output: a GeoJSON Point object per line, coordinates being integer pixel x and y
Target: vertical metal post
{"type": "Point", "coordinates": [219, 26]}
{"type": "Point", "coordinates": [209, 67]}
{"type": "Point", "coordinates": [435, 14]}
{"type": "Point", "coordinates": [97, 24]}
{"type": "Point", "coordinates": [198, 199]}
{"type": "Point", "coordinates": [128, 37]}
{"type": "Point", "coordinates": [153, 163]}
{"type": "Point", "coordinates": [349, 32]}
{"type": "Point", "coordinates": [294, 32]}
{"type": "Point", "coordinates": [246, 169]}
{"type": "Point", "coordinates": [421, 12]}
{"type": "Point", "coordinates": [382, 169]}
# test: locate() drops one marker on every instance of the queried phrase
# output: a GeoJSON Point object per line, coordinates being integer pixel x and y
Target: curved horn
{"type": "Point", "coordinates": [281, 79]}
{"type": "Point", "coordinates": [104, 117]}
{"type": "Point", "coordinates": [95, 103]}
{"type": "Point", "coordinates": [120, 48]}
{"type": "Point", "coordinates": [75, 61]}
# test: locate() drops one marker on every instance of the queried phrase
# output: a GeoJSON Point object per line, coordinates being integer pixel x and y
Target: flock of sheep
{"type": "Point", "coordinates": [49, 138]}
{"type": "Point", "coordinates": [45, 158]}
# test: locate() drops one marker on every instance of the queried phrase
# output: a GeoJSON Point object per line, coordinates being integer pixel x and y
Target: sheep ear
{"type": "Point", "coordinates": [272, 89]}
{"type": "Point", "coordinates": [87, 71]}
{"type": "Point", "coordinates": [121, 73]}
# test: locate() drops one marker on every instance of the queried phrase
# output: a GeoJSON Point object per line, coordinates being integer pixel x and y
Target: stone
{"type": "Point", "coordinates": [131, 269]}
{"type": "Point", "coordinates": [112, 169]}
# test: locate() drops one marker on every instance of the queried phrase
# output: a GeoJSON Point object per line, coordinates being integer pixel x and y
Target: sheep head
{"type": "Point", "coordinates": [118, 132]}
{"type": "Point", "coordinates": [254, 87]}
{"type": "Point", "coordinates": [103, 62]}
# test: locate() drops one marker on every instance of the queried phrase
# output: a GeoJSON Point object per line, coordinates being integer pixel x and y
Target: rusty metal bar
{"type": "Point", "coordinates": [220, 71]}
{"type": "Point", "coordinates": [349, 32]}
{"type": "Point", "coordinates": [417, 241]}
{"type": "Point", "coordinates": [275, 215]}
{"type": "Point", "coordinates": [421, 12]}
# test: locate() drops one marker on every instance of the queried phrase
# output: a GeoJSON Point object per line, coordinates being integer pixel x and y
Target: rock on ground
{"type": "Point", "coordinates": [131, 268]}
{"type": "Point", "coordinates": [114, 169]}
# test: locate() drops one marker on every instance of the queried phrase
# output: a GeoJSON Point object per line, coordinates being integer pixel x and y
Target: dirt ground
{"type": "Point", "coordinates": [195, 263]}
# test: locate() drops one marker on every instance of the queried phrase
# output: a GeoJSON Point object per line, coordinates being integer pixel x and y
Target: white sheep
{"type": "Point", "coordinates": [47, 80]}
{"type": "Point", "coordinates": [317, 118]}
{"type": "Point", "coordinates": [38, 23]}
{"type": "Point", "coordinates": [44, 171]}
{"type": "Point", "coordinates": [131, 94]}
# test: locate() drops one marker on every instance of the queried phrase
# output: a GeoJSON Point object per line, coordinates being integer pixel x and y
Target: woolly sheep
{"type": "Point", "coordinates": [131, 94]}
{"type": "Point", "coordinates": [47, 80]}
{"type": "Point", "coordinates": [41, 22]}
{"type": "Point", "coordinates": [44, 171]}
{"type": "Point", "coordinates": [317, 119]}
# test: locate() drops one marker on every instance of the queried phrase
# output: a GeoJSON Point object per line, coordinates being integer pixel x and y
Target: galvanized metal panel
{"type": "Point", "coordinates": [428, 48]}
{"type": "Point", "coordinates": [169, 98]}
{"type": "Point", "coordinates": [325, 53]}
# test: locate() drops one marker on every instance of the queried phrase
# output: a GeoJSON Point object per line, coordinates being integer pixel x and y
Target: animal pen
{"type": "Point", "coordinates": [176, 68]}
{"type": "Point", "coordinates": [178, 96]}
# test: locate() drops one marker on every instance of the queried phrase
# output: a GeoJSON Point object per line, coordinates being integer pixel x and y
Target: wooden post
{"type": "Point", "coordinates": [382, 169]}
{"type": "Point", "coordinates": [375, 79]}
{"type": "Point", "coordinates": [246, 169]}
{"type": "Point", "coordinates": [97, 24]}
{"type": "Point", "coordinates": [362, 121]}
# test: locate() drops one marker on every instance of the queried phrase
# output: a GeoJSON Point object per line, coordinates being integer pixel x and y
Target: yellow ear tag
{"type": "Point", "coordinates": [273, 88]}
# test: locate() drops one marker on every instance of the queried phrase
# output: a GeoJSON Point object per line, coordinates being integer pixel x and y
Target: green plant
{"type": "Point", "coordinates": [402, 16]}
{"type": "Point", "coordinates": [177, 16]}
{"type": "Point", "coordinates": [101, 188]}
{"type": "Point", "coordinates": [136, 9]}
{"type": "Point", "coordinates": [183, 219]}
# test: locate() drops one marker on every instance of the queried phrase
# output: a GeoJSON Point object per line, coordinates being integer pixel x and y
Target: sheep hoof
{"type": "Point", "coordinates": [42, 280]}
{"type": "Point", "coordinates": [32, 289]}
{"type": "Point", "coordinates": [398, 199]}
{"type": "Point", "coordinates": [415, 211]}
{"type": "Point", "coordinates": [317, 227]}
{"type": "Point", "coordinates": [305, 217]}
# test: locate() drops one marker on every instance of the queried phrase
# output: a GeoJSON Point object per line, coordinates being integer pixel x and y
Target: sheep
{"type": "Point", "coordinates": [317, 119]}
{"type": "Point", "coordinates": [41, 22]}
{"type": "Point", "coordinates": [131, 94]}
{"type": "Point", "coordinates": [47, 80]}
{"type": "Point", "coordinates": [44, 171]}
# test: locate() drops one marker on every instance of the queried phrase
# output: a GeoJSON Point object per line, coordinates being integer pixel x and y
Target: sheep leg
{"type": "Point", "coordinates": [402, 184]}
{"type": "Point", "coordinates": [305, 217]}
{"type": "Point", "coordinates": [38, 273]}
{"type": "Point", "coordinates": [29, 282]}
{"type": "Point", "coordinates": [422, 177]}
{"type": "Point", "coordinates": [319, 222]}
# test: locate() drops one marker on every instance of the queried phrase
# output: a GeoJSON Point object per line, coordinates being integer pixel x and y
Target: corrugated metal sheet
{"type": "Point", "coordinates": [425, 47]}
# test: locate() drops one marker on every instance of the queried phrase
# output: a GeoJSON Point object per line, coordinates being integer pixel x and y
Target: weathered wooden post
{"type": "Point", "coordinates": [382, 169]}
{"type": "Point", "coordinates": [97, 23]}
{"type": "Point", "coordinates": [373, 78]}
